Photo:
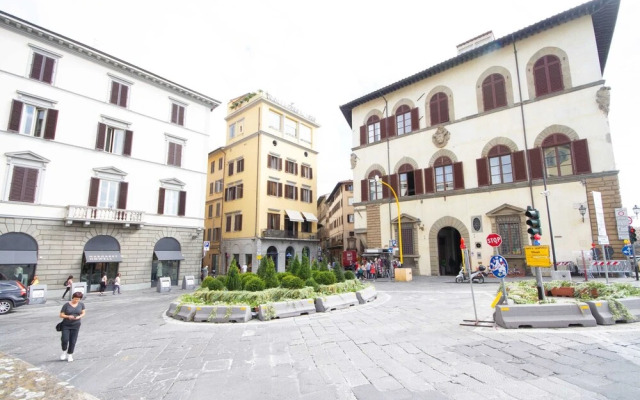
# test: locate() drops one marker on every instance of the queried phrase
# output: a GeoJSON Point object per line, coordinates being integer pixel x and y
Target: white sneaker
{"type": "Point", "coordinates": [63, 356]}
{"type": "Point", "coordinates": [70, 358]}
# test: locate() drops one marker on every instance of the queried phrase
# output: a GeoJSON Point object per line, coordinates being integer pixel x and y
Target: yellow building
{"type": "Point", "coordinates": [213, 211]}
{"type": "Point", "coordinates": [339, 226]}
{"type": "Point", "coordinates": [268, 206]}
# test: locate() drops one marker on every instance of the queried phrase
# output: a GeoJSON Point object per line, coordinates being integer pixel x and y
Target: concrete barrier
{"type": "Point", "coordinates": [561, 276]}
{"type": "Point", "coordinates": [284, 309]}
{"type": "Point", "coordinates": [163, 285]}
{"type": "Point", "coordinates": [185, 312]}
{"type": "Point", "coordinates": [367, 294]}
{"type": "Point", "coordinates": [188, 282]}
{"type": "Point", "coordinates": [37, 294]}
{"type": "Point", "coordinates": [336, 302]}
{"type": "Point", "coordinates": [602, 313]}
{"type": "Point", "coordinates": [78, 287]}
{"type": "Point", "coordinates": [222, 313]}
{"type": "Point", "coordinates": [543, 315]}
{"type": "Point", "coordinates": [172, 309]}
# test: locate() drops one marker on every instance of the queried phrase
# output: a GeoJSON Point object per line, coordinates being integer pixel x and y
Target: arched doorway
{"type": "Point", "coordinates": [273, 253]}
{"type": "Point", "coordinates": [290, 254]}
{"type": "Point", "coordinates": [101, 254]}
{"type": "Point", "coordinates": [306, 252]}
{"type": "Point", "coordinates": [167, 255]}
{"type": "Point", "coordinates": [449, 253]}
{"type": "Point", "coordinates": [18, 257]}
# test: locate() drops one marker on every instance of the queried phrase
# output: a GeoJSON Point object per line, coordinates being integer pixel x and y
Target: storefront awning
{"type": "Point", "coordinates": [169, 255]}
{"type": "Point", "coordinates": [18, 257]}
{"type": "Point", "coordinates": [309, 217]}
{"type": "Point", "coordinates": [294, 216]}
{"type": "Point", "coordinates": [102, 256]}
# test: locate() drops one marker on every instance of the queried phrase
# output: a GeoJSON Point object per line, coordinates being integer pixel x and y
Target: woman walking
{"type": "Point", "coordinates": [103, 283]}
{"type": "Point", "coordinates": [116, 284]}
{"type": "Point", "coordinates": [71, 313]}
{"type": "Point", "coordinates": [67, 285]}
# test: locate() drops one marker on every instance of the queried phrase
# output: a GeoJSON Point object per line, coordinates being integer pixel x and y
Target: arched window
{"type": "Point", "coordinates": [556, 149]}
{"type": "Point", "coordinates": [444, 174]}
{"type": "Point", "coordinates": [547, 75]}
{"type": "Point", "coordinates": [403, 119]}
{"type": "Point", "coordinates": [439, 108]}
{"type": "Point", "coordinates": [407, 180]}
{"type": "Point", "coordinates": [373, 129]}
{"type": "Point", "coordinates": [375, 188]}
{"type": "Point", "coordinates": [500, 165]}
{"type": "Point", "coordinates": [494, 92]}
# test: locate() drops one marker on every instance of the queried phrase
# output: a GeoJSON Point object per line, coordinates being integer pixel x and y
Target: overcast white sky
{"type": "Point", "coordinates": [322, 54]}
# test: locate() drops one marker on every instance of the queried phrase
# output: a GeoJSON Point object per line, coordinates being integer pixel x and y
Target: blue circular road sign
{"type": "Point", "coordinates": [626, 250]}
{"type": "Point", "coordinates": [498, 266]}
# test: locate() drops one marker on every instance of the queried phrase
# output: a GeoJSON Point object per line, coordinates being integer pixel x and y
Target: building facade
{"type": "Point", "coordinates": [470, 143]}
{"type": "Point", "coordinates": [269, 183]}
{"type": "Point", "coordinates": [340, 221]}
{"type": "Point", "coordinates": [103, 166]}
{"type": "Point", "coordinates": [213, 212]}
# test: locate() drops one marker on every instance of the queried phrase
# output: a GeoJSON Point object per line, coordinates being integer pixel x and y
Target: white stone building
{"type": "Point", "coordinates": [464, 142]}
{"type": "Point", "coordinates": [103, 164]}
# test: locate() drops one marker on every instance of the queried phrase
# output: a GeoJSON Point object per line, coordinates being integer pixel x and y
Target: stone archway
{"type": "Point", "coordinates": [449, 253]}
{"type": "Point", "coordinates": [444, 222]}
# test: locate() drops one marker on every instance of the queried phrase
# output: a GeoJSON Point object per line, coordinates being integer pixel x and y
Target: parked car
{"type": "Point", "coordinates": [12, 294]}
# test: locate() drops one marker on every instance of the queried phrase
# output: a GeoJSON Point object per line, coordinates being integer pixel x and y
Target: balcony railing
{"type": "Point", "coordinates": [107, 215]}
{"type": "Point", "coordinates": [275, 233]}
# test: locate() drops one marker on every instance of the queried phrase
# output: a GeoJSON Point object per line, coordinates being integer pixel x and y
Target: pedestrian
{"type": "Point", "coordinates": [243, 269]}
{"type": "Point", "coordinates": [67, 284]}
{"type": "Point", "coordinates": [103, 283]}
{"type": "Point", "coordinates": [204, 272]}
{"type": "Point", "coordinates": [373, 271]}
{"type": "Point", "coordinates": [71, 313]}
{"type": "Point", "coordinates": [116, 284]}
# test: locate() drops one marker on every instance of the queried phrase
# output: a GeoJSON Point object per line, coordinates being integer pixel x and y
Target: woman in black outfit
{"type": "Point", "coordinates": [71, 313]}
{"type": "Point", "coordinates": [67, 285]}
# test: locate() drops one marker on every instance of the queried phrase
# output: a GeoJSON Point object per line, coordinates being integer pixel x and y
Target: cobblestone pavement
{"type": "Point", "coordinates": [408, 344]}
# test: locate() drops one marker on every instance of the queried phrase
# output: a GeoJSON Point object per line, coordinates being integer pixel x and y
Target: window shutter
{"type": "Point", "coordinates": [48, 70]}
{"type": "Point", "coordinates": [31, 183]}
{"type": "Point", "coordinates": [415, 119]}
{"type": "Point", "coordinates": [102, 132]}
{"type": "Point", "coordinates": [17, 183]}
{"type": "Point", "coordinates": [364, 190]}
{"type": "Point", "coordinates": [174, 113]}
{"type": "Point", "coordinates": [555, 77]}
{"type": "Point", "coordinates": [279, 189]}
{"type": "Point", "coordinates": [394, 183]}
{"type": "Point", "coordinates": [161, 201]}
{"type": "Point", "coordinates": [501, 94]}
{"type": "Point", "coordinates": [487, 97]}
{"type": "Point", "coordinates": [94, 188]}
{"type": "Point", "coordinates": [581, 160]}
{"type": "Point", "coordinates": [482, 169]}
{"type": "Point", "coordinates": [385, 189]}
{"type": "Point", "coordinates": [178, 156]}
{"type": "Point", "coordinates": [519, 166]}
{"type": "Point", "coordinates": [124, 93]}
{"type": "Point", "coordinates": [182, 204]}
{"type": "Point", "coordinates": [239, 222]}
{"type": "Point", "coordinates": [128, 143]}
{"type": "Point", "coordinates": [239, 191]}
{"type": "Point", "coordinates": [383, 128]}
{"type": "Point", "coordinates": [279, 164]}
{"type": "Point", "coordinates": [226, 194]}
{"type": "Point", "coordinates": [310, 173]}
{"type": "Point", "coordinates": [115, 90]}
{"type": "Point", "coordinates": [36, 67]}
{"type": "Point", "coordinates": [418, 182]}
{"type": "Point", "coordinates": [50, 125]}
{"type": "Point", "coordinates": [16, 115]}
{"type": "Point", "coordinates": [444, 108]}
{"type": "Point", "coordinates": [429, 186]}
{"type": "Point", "coordinates": [535, 161]}
{"type": "Point", "coordinates": [540, 80]}
{"type": "Point", "coordinates": [363, 135]}
{"type": "Point", "coordinates": [122, 195]}
{"type": "Point", "coordinates": [181, 115]}
{"type": "Point", "coordinates": [458, 176]}
{"type": "Point", "coordinates": [310, 196]}
{"type": "Point", "coordinates": [230, 169]}
{"type": "Point", "coordinates": [296, 164]}
{"type": "Point", "coordinates": [295, 191]}
{"type": "Point", "coordinates": [434, 112]}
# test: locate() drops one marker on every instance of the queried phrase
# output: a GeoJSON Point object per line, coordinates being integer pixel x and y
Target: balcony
{"type": "Point", "coordinates": [275, 233]}
{"type": "Point", "coordinates": [88, 215]}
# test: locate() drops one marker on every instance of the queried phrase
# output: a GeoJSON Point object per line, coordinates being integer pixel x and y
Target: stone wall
{"type": "Point", "coordinates": [374, 235]}
{"type": "Point", "coordinates": [609, 188]}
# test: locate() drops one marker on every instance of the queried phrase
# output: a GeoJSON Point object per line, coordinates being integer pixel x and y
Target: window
{"type": "Point", "coordinates": [444, 174]}
{"type": "Point", "coordinates": [305, 133]}
{"type": "Point", "coordinates": [237, 223]}
{"type": "Point", "coordinates": [509, 230]}
{"type": "Point", "coordinates": [232, 131]}
{"type": "Point", "coordinates": [218, 186]}
{"type": "Point", "coordinates": [306, 226]}
{"type": "Point", "coordinates": [218, 208]}
{"type": "Point", "coordinates": [306, 172]}
{"type": "Point", "coordinates": [274, 120]}
{"type": "Point", "coordinates": [306, 195]}
{"type": "Point", "coordinates": [274, 189]}
{"type": "Point", "coordinates": [213, 167]}
{"type": "Point", "coordinates": [210, 211]}
{"type": "Point", "coordinates": [407, 183]}
{"type": "Point", "coordinates": [230, 168]}
{"type": "Point", "coordinates": [403, 120]}
{"type": "Point", "coordinates": [375, 188]}
{"type": "Point", "coordinates": [220, 163]}
{"type": "Point", "coordinates": [174, 154]}
{"type": "Point", "coordinates": [114, 140]}
{"type": "Point", "coordinates": [228, 224]}
{"type": "Point", "coordinates": [273, 221]}
{"type": "Point", "coordinates": [240, 165]}
{"type": "Point", "coordinates": [33, 119]}
{"type": "Point", "coordinates": [494, 92]}
{"type": "Point", "coordinates": [24, 183]}
{"type": "Point", "coordinates": [217, 234]}
{"type": "Point", "coordinates": [373, 129]}
{"type": "Point", "coordinates": [291, 167]}
{"type": "Point", "coordinates": [500, 165]}
{"type": "Point", "coordinates": [119, 94]}
{"type": "Point", "coordinates": [172, 202]}
{"type": "Point", "coordinates": [274, 162]}
{"type": "Point", "coordinates": [439, 108]}
{"type": "Point", "coordinates": [547, 75]}
{"type": "Point", "coordinates": [177, 114]}
{"type": "Point", "coordinates": [42, 68]}
{"type": "Point", "coordinates": [557, 155]}
{"type": "Point", "coordinates": [105, 193]}
{"type": "Point", "coordinates": [211, 188]}
{"type": "Point", "coordinates": [350, 218]}
{"type": "Point", "coordinates": [290, 127]}
{"type": "Point", "coordinates": [350, 201]}
{"type": "Point", "coordinates": [290, 192]}
{"type": "Point", "coordinates": [233, 192]}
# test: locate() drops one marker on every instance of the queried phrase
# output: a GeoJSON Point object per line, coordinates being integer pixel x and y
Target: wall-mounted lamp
{"type": "Point", "coordinates": [583, 210]}
{"type": "Point", "coordinates": [636, 211]}
{"type": "Point", "coordinates": [197, 233]}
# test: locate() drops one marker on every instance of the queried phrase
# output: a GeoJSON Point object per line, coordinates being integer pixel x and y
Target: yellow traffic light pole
{"type": "Point", "coordinates": [377, 179]}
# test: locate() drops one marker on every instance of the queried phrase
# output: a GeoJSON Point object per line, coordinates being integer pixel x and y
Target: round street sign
{"type": "Point", "coordinates": [494, 240]}
{"type": "Point", "coordinates": [498, 266]}
{"type": "Point", "coordinates": [626, 250]}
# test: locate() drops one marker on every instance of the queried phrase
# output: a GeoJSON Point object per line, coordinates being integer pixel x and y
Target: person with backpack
{"type": "Point", "coordinates": [67, 285]}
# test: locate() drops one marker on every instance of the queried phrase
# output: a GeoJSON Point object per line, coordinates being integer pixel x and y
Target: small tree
{"type": "Point", "coordinates": [233, 277]}
{"type": "Point", "coordinates": [270, 278]}
{"type": "Point", "coordinates": [314, 265]}
{"type": "Point", "coordinates": [323, 266]}
{"type": "Point", "coordinates": [305, 270]}
{"type": "Point", "coordinates": [338, 272]}
{"type": "Point", "coordinates": [294, 266]}
{"type": "Point", "coordinates": [262, 268]}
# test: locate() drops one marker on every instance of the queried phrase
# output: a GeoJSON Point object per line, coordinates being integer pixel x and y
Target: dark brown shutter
{"type": "Point", "coordinates": [444, 108]}
{"type": "Point", "coordinates": [239, 191]}
{"type": "Point", "coordinates": [394, 183]}
{"type": "Point", "coordinates": [182, 205]}
{"type": "Point", "coordinates": [487, 96]}
{"type": "Point", "coordinates": [415, 119]}
{"type": "Point", "coordinates": [386, 193]}
{"type": "Point", "coordinates": [555, 77]}
{"type": "Point", "coordinates": [239, 222]}
{"type": "Point", "coordinates": [428, 180]}
{"type": "Point", "coordinates": [115, 90]}
{"type": "Point", "coordinates": [383, 129]}
{"type": "Point", "coordinates": [180, 115]}
{"type": "Point", "coordinates": [310, 173]}
{"type": "Point", "coordinates": [31, 183]}
{"type": "Point", "coordinates": [458, 176]}
{"type": "Point", "coordinates": [36, 67]}
{"type": "Point", "coordinates": [161, 201]}
{"type": "Point", "coordinates": [178, 155]}
{"type": "Point", "coordinates": [16, 115]}
{"type": "Point", "coordinates": [296, 164]}
{"type": "Point", "coordinates": [535, 161]}
{"type": "Point", "coordinates": [540, 79]}
{"type": "Point", "coordinates": [363, 135]}
{"type": "Point", "coordinates": [295, 191]}
{"type": "Point", "coordinates": [17, 183]}
{"type": "Point", "coordinates": [391, 126]}
{"type": "Point", "coordinates": [364, 190]}
{"type": "Point", "coordinates": [124, 91]}
{"type": "Point", "coordinates": [100, 137]}
{"type": "Point", "coordinates": [434, 114]}
{"type": "Point", "coordinates": [581, 160]}
{"type": "Point", "coordinates": [48, 70]}
{"type": "Point", "coordinates": [174, 113]}
{"type": "Point", "coordinates": [122, 195]}
{"type": "Point", "coordinates": [519, 166]}
{"type": "Point", "coordinates": [94, 188]}
{"type": "Point", "coordinates": [128, 142]}
{"type": "Point", "coordinates": [501, 94]}
{"type": "Point", "coordinates": [279, 164]}
{"type": "Point", "coordinates": [310, 196]}
{"type": "Point", "coordinates": [279, 189]}
{"type": "Point", "coordinates": [50, 125]}
{"type": "Point", "coordinates": [418, 182]}
{"type": "Point", "coordinates": [482, 169]}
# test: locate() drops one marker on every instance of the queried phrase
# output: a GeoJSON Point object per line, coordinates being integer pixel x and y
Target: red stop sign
{"type": "Point", "coordinates": [494, 240]}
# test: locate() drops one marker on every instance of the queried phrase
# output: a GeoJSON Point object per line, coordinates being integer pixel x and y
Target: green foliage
{"type": "Point", "coordinates": [325, 277]}
{"type": "Point", "coordinates": [341, 287]}
{"type": "Point", "coordinates": [233, 277]}
{"type": "Point", "coordinates": [314, 265]}
{"type": "Point", "coordinates": [338, 272]}
{"type": "Point", "coordinates": [294, 266]}
{"type": "Point", "coordinates": [246, 276]}
{"type": "Point", "coordinates": [292, 282]}
{"type": "Point", "coordinates": [312, 283]}
{"type": "Point", "coordinates": [262, 268]}
{"type": "Point", "coordinates": [282, 275]}
{"type": "Point", "coordinates": [323, 266]}
{"type": "Point", "coordinates": [222, 279]}
{"type": "Point", "coordinates": [270, 278]}
{"type": "Point", "coordinates": [619, 311]}
{"type": "Point", "coordinates": [305, 269]}
{"type": "Point", "coordinates": [349, 275]}
{"type": "Point", "coordinates": [215, 284]}
{"type": "Point", "coordinates": [206, 281]}
{"type": "Point", "coordinates": [254, 284]}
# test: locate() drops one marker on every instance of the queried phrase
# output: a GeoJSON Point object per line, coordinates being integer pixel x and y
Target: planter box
{"type": "Point", "coordinates": [222, 313]}
{"type": "Point", "coordinates": [336, 302]}
{"type": "Point", "coordinates": [367, 294]}
{"type": "Point", "coordinates": [403, 274]}
{"type": "Point", "coordinates": [284, 309]}
{"type": "Point", "coordinates": [562, 292]}
{"type": "Point", "coordinates": [543, 315]}
{"type": "Point", "coordinates": [602, 313]}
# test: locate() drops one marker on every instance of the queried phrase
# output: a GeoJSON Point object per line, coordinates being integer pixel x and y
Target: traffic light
{"type": "Point", "coordinates": [632, 235]}
{"type": "Point", "coordinates": [533, 221]}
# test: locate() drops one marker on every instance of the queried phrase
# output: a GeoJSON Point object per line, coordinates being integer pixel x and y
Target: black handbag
{"type": "Point", "coordinates": [59, 326]}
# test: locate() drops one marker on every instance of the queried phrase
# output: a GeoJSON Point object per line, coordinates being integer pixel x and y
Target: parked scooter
{"type": "Point", "coordinates": [476, 277]}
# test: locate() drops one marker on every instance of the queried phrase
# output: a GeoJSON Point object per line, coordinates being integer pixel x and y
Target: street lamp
{"type": "Point", "coordinates": [636, 211]}
{"type": "Point", "coordinates": [378, 180]}
{"type": "Point", "coordinates": [583, 211]}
